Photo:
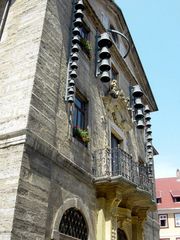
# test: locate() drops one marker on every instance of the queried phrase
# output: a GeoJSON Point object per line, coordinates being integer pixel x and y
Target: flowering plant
{"type": "Point", "coordinates": [86, 46]}
{"type": "Point", "coordinates": [82, 134]}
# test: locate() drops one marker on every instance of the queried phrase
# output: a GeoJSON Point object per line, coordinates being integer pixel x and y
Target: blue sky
{"type": "Point", "coordinates": [155, 29]}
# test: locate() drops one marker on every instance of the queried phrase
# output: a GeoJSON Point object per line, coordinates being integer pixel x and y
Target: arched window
{"type": "Point", "coordinates": [73, 224]}
{"type": "Point", "coordinates": [121, 235]}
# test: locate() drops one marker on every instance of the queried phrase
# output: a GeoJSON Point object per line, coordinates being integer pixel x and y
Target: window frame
{"type": "Point", "coordinates": [175, 223]}
{"type": "Point", "coordinates": [83, 111]}
{"type": "Point", "coordinates": [167, 223]}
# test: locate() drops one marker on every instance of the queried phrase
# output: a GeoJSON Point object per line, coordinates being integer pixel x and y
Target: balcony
{"type": "Point", "coordinates": [115, 166]}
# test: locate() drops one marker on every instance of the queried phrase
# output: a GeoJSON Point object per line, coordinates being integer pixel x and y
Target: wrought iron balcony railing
{"type": "Point", "coordinates": [116, 162]}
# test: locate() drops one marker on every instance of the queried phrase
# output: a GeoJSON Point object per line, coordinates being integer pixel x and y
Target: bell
{"type": "Point", "coordinates": [74, 65]}
{"type": "Point", "coordinates": [76, 31]}
{"type": "Point", "coordinates": [148, 144]}
{"type": "Point", "coordinates": [76, 39]}
{"type": "Point", "coordinates": [149, 137]}
{"type": "Point", "coordinates": [148, 124]}
{"type": "Point", "coordinates": [137, 92]}
{"type": "Point", "coordinates": [79, 5]}
{"type": "Point", "coordinates": [104, 53]}
{"type": "Point", "coordinates": [150, 156]}
{"type": "Point", "coordinates": [79, 14]}
{"type": "Point", "coordinates": [149, 150]}
{"type": "Point", "coordinates": [78, 22]}
{"type": "Point", "coordinates": [74, 57]}
{"type": "Point", "coordinates": [104, 66]}
{"type": "Point", "coordinates": [146, 109]}
{"type": "Point", "coordinates": [138, 103]}
{"type": "Point", "coordinates": [139, 114]}
{"type": "Point", "coordinates": [148, 130]}
{"type": "Point", "coordinates": [140, 124]}
{"type": "Point", "coordinates": [147, 116]}
{"type": "Point", "coordinates": [70, 99]}
{"type": "Point", "coordinates": [75, 48]}
{"type": "Point", "coordinates": [105, 77]}
{"type": "Point", "coordinates": [73, 74]}
{"type": "Point", "coordinates": [71, 82]}
{"type": "Point", "coordinates": [71, 90]}
{"type": "Point", "coordinates": [104, 40]}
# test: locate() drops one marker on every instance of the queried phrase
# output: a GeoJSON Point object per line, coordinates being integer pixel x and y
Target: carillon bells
{"type": "Point", "coordinates": [146, 109]}
{"type": "Point", "coordinates": [74, 65]}
{"type": "Point", "coordinates": [147, 116]}
{"type": "Point", "coordinates": [76, 31]}
{"type": "Point", "coordinates": [70, 99]}
{"type": "Point", "coordinates": [79, 14]}
{"type": "Point", "coordinates": [105, 65]}
{"type": "Point", "coordinates": [148, 129]}
{"type": "Point", "coordinates": [74, 57]}
{"type": "Point", "coordinates": [105, 76]}
{"type": "Point", "coordinates": [104, 53]}
{"type": "Point", "coordinates": [73, 74]}
{"type": "Point", "coordinates": [139, 114]}
{"type": "Point", "coordinates": [149, 137]}
{"type": "Point", "coordinates": [104, 40]}
{"type": "Point", "coordinates": [75, 48]}
{"type": "Point", "coordinates": [150, 150]}
{"type": "Point", "coordinates": [71, 82]}
{"type": "Point", "coordinates": [76, 39]}
{"type": "Point", "coordinates": [138, 103]}
{"type": "Point", "coordinates": [137, 92]}
{"type": "Point", "coordinates": [148, 144]}
{"type": "Point", "coordinates": [79, 5]}
{"type": "Point", "coordinates": [140, 124]}
{"type": "Point", "coordinates": [78, 22]}
{"type": "Point", "coordinates": [148, 124]}
{"type": "Point", "coordinates": [71, 90]}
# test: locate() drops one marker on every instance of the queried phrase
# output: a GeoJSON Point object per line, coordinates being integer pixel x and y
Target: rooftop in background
{"type": "Point", "coordinates": [168, 192]}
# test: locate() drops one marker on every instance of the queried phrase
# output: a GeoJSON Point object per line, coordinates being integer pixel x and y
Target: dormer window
{"type": "Point", "coordinates": [158, 200]}
{"type": "Point", "coordinates": [175, 195]}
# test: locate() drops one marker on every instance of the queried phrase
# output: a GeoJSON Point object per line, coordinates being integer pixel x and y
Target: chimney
{"type": "Point", "coordinates": [178, 174]}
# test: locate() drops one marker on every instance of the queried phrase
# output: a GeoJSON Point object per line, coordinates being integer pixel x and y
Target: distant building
{"type": "Point", "coordinates": [168, 201]}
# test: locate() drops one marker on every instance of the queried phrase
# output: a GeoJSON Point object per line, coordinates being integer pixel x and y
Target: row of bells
{"type": "Point", "coordinates": [104, 43]}
{"type": "Point", "coordinates": [73, 66]}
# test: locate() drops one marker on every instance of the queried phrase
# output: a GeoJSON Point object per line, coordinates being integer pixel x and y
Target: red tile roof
{"type": "Point", "coordinates": [166, 189]}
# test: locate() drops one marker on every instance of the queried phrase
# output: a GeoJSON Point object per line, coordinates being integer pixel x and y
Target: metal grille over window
{"type": "Point", "coordinates": [73, 224]}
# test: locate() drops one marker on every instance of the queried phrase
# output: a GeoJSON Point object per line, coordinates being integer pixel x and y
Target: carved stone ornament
{"type": "Point", "coordinates": [118, 112]}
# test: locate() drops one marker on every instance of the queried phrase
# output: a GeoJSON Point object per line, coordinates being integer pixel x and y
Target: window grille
{"type": "Point", "coordinates": [73, 224]}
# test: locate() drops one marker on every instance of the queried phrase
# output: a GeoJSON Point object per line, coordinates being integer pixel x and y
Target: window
{"type": "Point", "coordinates": [176, 199]}
{"type": "Point", "coordinates": [4, 9]}
{"type": "Point", "coordinates": [177, 219]}
{"type": "Point", "coordinates": [80, 119]}
{"type": "Point", "coordinates": [163, 221]}
{"type": "Point", "coordinates": [114, 73]}
{"type": "Point", "coordinates": [84, 32]}
{"type": "Point", "coordinates": [158, 200]}
{"type": "Point", "coordinates": [114, 35]}
{"type": "Point", "coordinates": [84, 40]}
{"type": "Point", "coordinates": [105, 20]}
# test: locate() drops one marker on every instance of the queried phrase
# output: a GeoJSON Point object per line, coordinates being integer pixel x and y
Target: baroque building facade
{"type": "Point", "coordinates": [76, 154]}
